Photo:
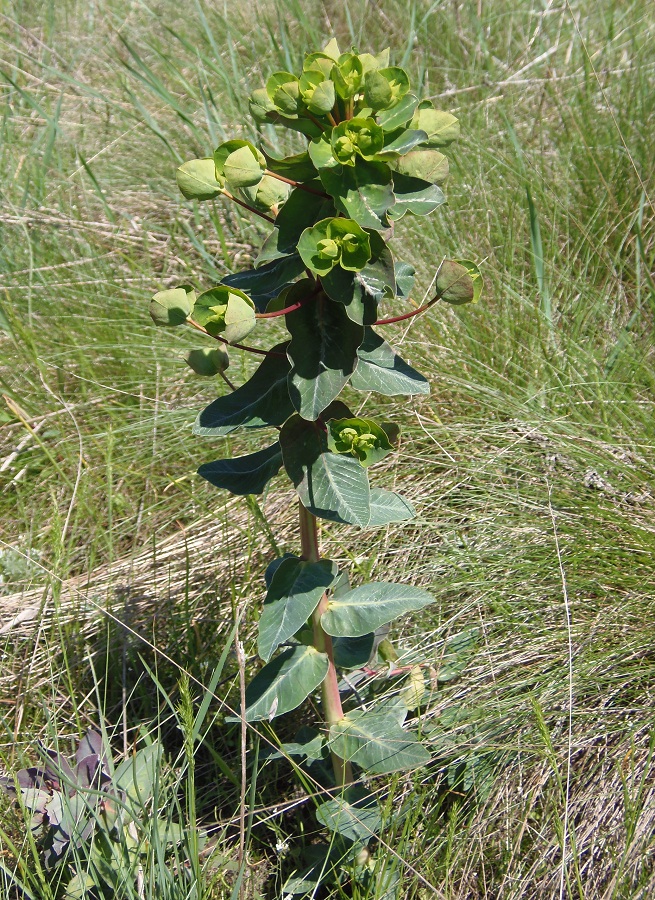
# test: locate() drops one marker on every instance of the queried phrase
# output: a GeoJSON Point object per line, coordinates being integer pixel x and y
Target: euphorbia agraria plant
{"type": "Point", "coordinates": [327, 270]}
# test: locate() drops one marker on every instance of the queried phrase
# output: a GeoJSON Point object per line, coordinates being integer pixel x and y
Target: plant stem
{"type": "Point", "coordinates": [298, 184]}
{"type": "Point", "coordinates": [408, 315]}
{"type": "Point", "coordinates": [289, 309]}
{"type": "Point", "coordinates": [323, 643]}
{"type": "Point", "coordinates": [247, 206]}
{"type": "Point", "coordinates": [236, 346]}
{"type": "Point", "coordinates": [316, 121]}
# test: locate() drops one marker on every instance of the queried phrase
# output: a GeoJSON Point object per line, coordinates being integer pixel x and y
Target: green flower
{"type": "Point", "coordinates": [348, 75]}
{"type": "Point", "coordinates": [361, 438]}
{"type": "Point", "coordinates": [356, 137]}
{"type": "Point", "coordinates": [333, 242]}
{"type": "Point", "coordinates": [317, 92]}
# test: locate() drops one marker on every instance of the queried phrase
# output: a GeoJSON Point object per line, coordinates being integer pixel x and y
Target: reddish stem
{"type": "Point", "coordinates": [316, 121]}
{"type": "Point", "coordinates": [281, 312]}
{"type": "Point", "coordinates": [323, 643]}
{"type": "Point", "coordinates": [287, 309]}
{"type": "Point", "coordinates": [237, 346]}
{"type": "Point", "coordinates": [298, 184]}
{"type": "Point", "coordinates": [408, 315]}
{"type": "Point", "coordinates": [246, 206]}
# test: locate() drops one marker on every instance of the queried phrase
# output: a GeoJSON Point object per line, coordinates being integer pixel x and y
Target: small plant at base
{"type": "Point", "coordinates": [92, 819]}
{"type": "Point", "coordinates": [373, 156]}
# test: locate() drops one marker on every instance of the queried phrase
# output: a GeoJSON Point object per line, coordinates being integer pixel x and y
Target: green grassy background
{"type": "Point", "coordinates": [531, 462]}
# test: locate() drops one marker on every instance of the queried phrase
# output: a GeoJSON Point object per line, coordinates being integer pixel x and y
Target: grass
{"type": "Point", "coordinates": [531, 462]}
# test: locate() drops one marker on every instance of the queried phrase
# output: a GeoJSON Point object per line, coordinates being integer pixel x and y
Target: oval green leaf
{"type": "Point", "coordinates": [459, 281]}
{"type": "Point", "coordinates": [295, 591]}
{"type": "Point", "coordinates": [380, 369]}
{"type": "Point", "coordinates": [388, 507]}
{"type": "Point", "coordinates": [197, 179]}
{"type": "Point", "coordinates": [354, 814]}
{"type": "Point", "coordinates": [377, 743]}
{"type": "Point", "coordinates": [285, 682]}
{"type": "Point", "coordinates": [323, 353]}
{"type": "Point", "coordinates": [243, 475]}
{"type": "Point", "coordinates": [208, 361]}
{"type": "Point", "coordinates": [262, 400]}
{"type": "Point", "coordinates": [171, 308]}
{"type": "Point", "coordinates": [367, 607]}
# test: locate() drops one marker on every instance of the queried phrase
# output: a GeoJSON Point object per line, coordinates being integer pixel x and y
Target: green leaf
{"type": "Point", "coordinates": [263, 109]}
{"type": "Point", "coordinates": [225, 311]}
{"type": "Point", "coordinates": [318, 253]}
{"type": "Point", "coordinates": [399, 114]}
{"type": "Point", "coordinates": [330, 486]}
{"type": "Point", "coordinates": [348, 75]}
{"type": "Point", "coordinates": [285, 682]}
{"type": "Point", "coordinates": [459, 281]}
{"type": "Point", "coordinates": [296, 589]}
{"type": "Point", "coordinates": [429, 165]}
{"type": "Point", "coordinates": [265, 282]}
{"type": "Point", "coordinates": [298, 167]}
{"type": "Point", "coordinates": [225, 151]}
{"type": "Point", "coordinates": [262, 400]}
{"type": "Point", "coordinates": [243, 168]}
{"type": "Point", "coordinates": [347, 288]}
{"type": "Point", "coordinates": [323, 353]}
{"type": "Point", "coordinates": [283, 89]}
{"type": "Point", "coordinates": [353, 653]}
{"type": "Point", "coordinates": [402, 144]}
{"type": "Point", "coordinates": [261, 105]}
{"type": "Point", "coordinates": [320, 151]}
{"type": "Point", "coordinates": [308, 744]}
{"type": "Point", "coordinates": [367, 607]}
{"type": "Point", "coordinates": [137, 774]}
{"type": "Point", "coordinates": [363, 439]}
{"type": "Point", "coordinates": [354, 814]}
{"type": "Point", "coordinates": [207, 362]}
{"type": "Point", "coordinates": [244, 474]}
{"type": "Point", "coordinates": [442, 127]}
{"type": "Point", "coordinates": [385, 87]}
{"type": "Point", "coordinates": [363, 192]}
{"type": "Point", "coordinates": [266, 195]}
{"type": "Point", "coordinates": [274, 565]}
{"type": "Point", "coordinates": [380, 369]}
{"type": "Point", "coordinates": [317, 93]}
{"type": "Point", "coordinates": [370, 62]}
{"type": "Point", "coordinates": [319, 63]}
{"type": "Point", "coordinates": [173, 307]}
{"type": "Point", "coordinates": [404, 278]}
{"type": "Point", "coordinates": [415, 196]}
{"type": "Point", "coordinates": [197, 179]}
{"type": "Point", "coordinates": [332, 49]}
{"type": "Point", "coordinates": [376, 743]}
{"type": "Point", "coordinates": [388, 507]}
